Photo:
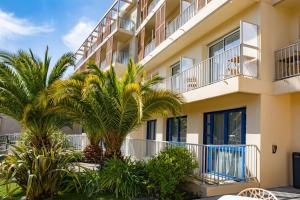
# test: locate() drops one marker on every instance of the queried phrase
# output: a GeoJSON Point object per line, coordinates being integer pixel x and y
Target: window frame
{"type": "Point", "coordinates": [169, 132]}
{"type": "Point", "coordinates": [148, 134]}
{"type": "Point", "coordinates": [226, 125]}
{"type": "Point", "coordinates": [223, 40]}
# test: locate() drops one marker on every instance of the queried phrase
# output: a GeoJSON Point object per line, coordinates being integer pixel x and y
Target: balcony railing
{"type": "Point", "coordinates": [181, 19]}
{"type": "Point", "coordinates": [239, 60]}
{"type": "Point", "coordinates": [152, 5]}
{"type": "Point", "coordinates": [78, 142]}
{"type": "Point", "coordinates": [126, 24]}
{"type": "Point", "coordinates": [149, 48]}
{"type": "Point", "coordinates": [123, 57]}
{"type": "Point", "coordinates": [123, 23]}
{"type": "Point", "coordinates": [79, 62]}
{"type": "Point", "coordinates": [218, 164]}
{"type": "Point", "coordinates": [287, 61]}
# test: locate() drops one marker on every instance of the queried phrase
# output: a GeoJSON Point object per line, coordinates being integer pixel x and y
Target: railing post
{"type": "Point", "coordinates": [241, 59]}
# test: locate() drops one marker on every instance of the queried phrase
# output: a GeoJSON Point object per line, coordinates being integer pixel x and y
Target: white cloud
{"type": "Point", "coordinates": [12, 27]}
{"type": "Point", "coordinates": [78, 34]}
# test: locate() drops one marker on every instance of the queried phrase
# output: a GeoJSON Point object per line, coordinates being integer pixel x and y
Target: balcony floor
{"type": "Point", "coordinates": [282, 193]}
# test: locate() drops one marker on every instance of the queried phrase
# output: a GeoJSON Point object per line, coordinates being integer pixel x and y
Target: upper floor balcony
{"type": "Point", "coordinates": [182, 27]}
{"type": "Point", "coordinates": [287, 61]}
{"type": "Point", "coordinates": [119, 60]}
{"type": "Point", "coordinates": [116, 22]}
{"type": "Point", "coordinates": [241, 60]}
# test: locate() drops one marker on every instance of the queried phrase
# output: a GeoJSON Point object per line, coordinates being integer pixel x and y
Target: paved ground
{"type": "Point", "coordinates": [284, 193]}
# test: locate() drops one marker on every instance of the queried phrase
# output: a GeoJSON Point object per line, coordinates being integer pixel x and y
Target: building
{"type": "Point", "coordinates": [236, 63]}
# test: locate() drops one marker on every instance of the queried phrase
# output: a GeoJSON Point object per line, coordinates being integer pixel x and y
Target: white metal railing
{"type": "Point", "coordinates": [239, 60]}
{"type": "Point", "coordinates": [123, 23]}
{"type": "Point", "coordinates": [6, 140]}
{"type": "Point", "coordinates": [122, 57]}
{"type": "Point", "coordinates": [149, 48]}
{"type": "Point", "coordinates": [218, 164]}
{"type": "Point", "coordinates": [79, 62]}
{"type": "Point", "coordinates": [78, 142]}
{"type": "Point", "coordinates": [126, 24]}
{"type": "Point", "coordinates": [152, 5]}
{"type": "Point", "coordinates": [181, 19]}
{"type": "Point", "coordinates": [287, 61]}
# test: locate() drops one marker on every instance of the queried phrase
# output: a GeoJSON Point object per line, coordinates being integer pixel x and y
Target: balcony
{"type": "Point", "coordinates": [218, 164]}
{"type": "Point", "coordinates": [110, 25]}
{"type": "Point", "coordinates": [152, 5]}
{"type": "Point", "coordinates": [241, 60]}
{"type": "Point", "coordinates": [192, 24]}
{"type": "Point", "coordinates": [287, 61]}
{"type": "Point", "coordinates": [123, 30]}
{"type": "Point", "coordinates": [181, 19]}
{"type": "Point", "coordinates": [121, 57]}
{"type": "Point", "coordinates": [149, 48]}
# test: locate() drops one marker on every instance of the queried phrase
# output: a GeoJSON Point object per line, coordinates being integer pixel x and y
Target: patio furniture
{"type": "Point", "coordinates": [234, 197]}
{"type": "Point", "coordinates": [258, 193]}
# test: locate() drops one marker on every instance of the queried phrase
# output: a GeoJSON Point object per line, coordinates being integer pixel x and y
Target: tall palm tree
{"type": "Point", "coordinates": [24, 83]}
{"type": "Point", "coordinates": [112, 107]}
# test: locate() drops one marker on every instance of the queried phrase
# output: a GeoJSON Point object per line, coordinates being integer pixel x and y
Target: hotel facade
{"type": "Point", "coordinates": [237, 65]}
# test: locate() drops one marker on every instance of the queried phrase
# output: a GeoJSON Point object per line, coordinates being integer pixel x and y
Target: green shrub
{"type": "Point", "coordinates": [168, 170]}
{"type": "Point", "coordinates": [77, 156]}
{"type": "Point", "coordinates": [55, 137]}
{"type": "Point", "coordinates": [39, 172]}
{"type": "Point", "coordinates": [123, 177]}
{"type": "Point", "coordinates": [89, 182]}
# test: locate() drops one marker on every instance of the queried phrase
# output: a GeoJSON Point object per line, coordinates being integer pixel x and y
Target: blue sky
{"type": "Point", "coordinates": [60, 24]}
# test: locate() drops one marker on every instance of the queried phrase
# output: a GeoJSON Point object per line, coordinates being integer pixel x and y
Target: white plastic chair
{"type": "Point", "coordinates": [258, 193]}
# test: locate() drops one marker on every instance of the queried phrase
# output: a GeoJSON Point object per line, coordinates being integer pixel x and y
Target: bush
{"type": "Point", "coordinates": [168, 170]}
{"type": "Point", "coordinates": [89, 182]}
{"type": "Point", "coordinates": [39, 172]}
{"type": "Point", "coordinates": [55, 138]}
{"type": "Point", "coordinates": [93, 154]}
{"type": "Point", "coordinates": [123, 177]}
{"type": "Point", "coordinates": [77, 156]}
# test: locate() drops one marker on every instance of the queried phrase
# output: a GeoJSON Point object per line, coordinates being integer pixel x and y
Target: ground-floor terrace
{"type": "Point", "coordinates": [240, 140]}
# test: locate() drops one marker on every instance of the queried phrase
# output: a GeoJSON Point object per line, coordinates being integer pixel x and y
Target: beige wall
{"type": "Point", "coordinates": [8, 125]}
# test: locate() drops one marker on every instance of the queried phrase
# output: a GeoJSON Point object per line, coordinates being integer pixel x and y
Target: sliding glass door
{"type": "Point", "coordinates": [225, 131]}
{"type": "Point", "coordinates": [219, 62]}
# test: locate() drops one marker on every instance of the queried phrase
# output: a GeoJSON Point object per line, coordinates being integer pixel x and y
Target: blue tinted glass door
{"type": "Point", "coordinates": [226, 131]}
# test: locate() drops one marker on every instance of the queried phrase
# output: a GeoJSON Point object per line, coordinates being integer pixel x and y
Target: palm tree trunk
{"type": "Point", "coordinates": [113, 144]}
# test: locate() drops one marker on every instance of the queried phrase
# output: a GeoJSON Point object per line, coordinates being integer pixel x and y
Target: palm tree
{"type": "Point", "coordinates": [24, 83]}
{"type": "Point", "coordinates": [112, 107]}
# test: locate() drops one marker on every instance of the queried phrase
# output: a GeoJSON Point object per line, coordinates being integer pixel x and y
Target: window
{"type": "Point", "coordinates": [225, 127]}
{"type": "Point", "coordinates": [175, 68]}
{"type": "Point", "coordinates": [151, 130]}
{"type": "Point", "coordinates": [227, 42]}
{"type": "Point", "coordinates": [218, 62]}
{"type": "Point", "coordinates": [176, 129]}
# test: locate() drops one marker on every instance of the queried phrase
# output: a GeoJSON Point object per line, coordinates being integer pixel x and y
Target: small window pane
{"type": "Point", "coordinates": [232, 40]}
{"type": "Point", "coordinates": [175, 68]}
{"type": "Point", "coordinates": [216, 49]}
{"type": "Point", "coordinates": [218, 136]}
{"type": "Point", "coordinates": [151, 130]}
{"type": "Point", "coordinates": [235, 128]}
{"type": "Point", "coordinates": [183, 129]}
{"type": "Point", "coordinates": [177, 129]}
